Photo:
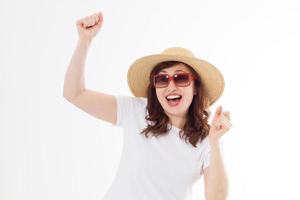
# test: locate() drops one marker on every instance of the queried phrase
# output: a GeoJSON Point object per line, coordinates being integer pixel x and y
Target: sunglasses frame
{"type": "Point", "coordinates": [191, 77]}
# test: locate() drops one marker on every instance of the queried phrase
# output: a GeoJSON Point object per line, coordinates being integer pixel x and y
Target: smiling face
{"type": "Point", "coordinates": [187, 93]}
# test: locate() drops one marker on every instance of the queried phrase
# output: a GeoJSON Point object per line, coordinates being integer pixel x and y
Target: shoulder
{"type": "Point", "coordinates": [139, 102]}
{"type": "Point", "coordinates": [131, 102]}
{"type": "Point", "coordinates": [142, 101]}
{"type": "Point", "coordinates": [130, 108]}
{"type": "Point", "coordinates": [131, 99]}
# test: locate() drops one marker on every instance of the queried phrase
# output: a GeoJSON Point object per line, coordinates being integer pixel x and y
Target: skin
{"type": "Point", "coordinates": [215, 178]}
{"type": "Point", "coordinates": [176, 114]}
{"type": "Point", "coordinates": [89, 26]}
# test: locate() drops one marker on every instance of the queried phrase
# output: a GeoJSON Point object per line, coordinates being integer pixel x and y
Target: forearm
{"type": "Point", "coordinates": [74, 82]}
{"type": "Point", "coordinates": [217, 188]}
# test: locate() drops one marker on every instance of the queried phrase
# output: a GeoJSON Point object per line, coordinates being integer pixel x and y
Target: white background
{"type": "Point", "coordinates": [49, 149]}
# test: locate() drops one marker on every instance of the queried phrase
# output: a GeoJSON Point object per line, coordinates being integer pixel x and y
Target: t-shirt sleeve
{"type": "Point", "coordinates": [206, 154]}
{"type": "Point", "coordinates": [128, 108]}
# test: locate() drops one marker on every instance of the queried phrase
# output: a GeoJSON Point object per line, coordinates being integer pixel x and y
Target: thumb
{"type": "Point", "coordinates": [100, 15]}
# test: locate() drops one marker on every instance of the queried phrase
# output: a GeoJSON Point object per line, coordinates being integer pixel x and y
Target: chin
{"type": "Point", "coordinates": [178, 111]}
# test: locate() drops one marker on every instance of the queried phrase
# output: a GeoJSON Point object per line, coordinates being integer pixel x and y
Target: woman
{"type": "Point", "coordinates": [168, 143]}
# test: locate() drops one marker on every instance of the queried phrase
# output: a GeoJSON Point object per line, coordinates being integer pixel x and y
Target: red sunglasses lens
{"type": "Point", "coordinates": [162, 80]}
{"type": "Point", "coordinates": [182, 80]}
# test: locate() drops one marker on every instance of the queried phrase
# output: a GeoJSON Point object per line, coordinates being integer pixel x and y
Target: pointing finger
{"type": "Point", "coordinates": [218, 113]}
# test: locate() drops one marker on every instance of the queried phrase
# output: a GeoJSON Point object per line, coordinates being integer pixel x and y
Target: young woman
{"type": "Point", "coordinates": [168, 143]}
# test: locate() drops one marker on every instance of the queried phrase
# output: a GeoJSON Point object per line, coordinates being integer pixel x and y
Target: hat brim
{"type": "Point", "coordinates": [139, 72]}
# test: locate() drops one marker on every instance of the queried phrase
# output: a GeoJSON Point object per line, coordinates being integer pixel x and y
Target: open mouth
{"type": "Point", "coordinates": [173, 100]}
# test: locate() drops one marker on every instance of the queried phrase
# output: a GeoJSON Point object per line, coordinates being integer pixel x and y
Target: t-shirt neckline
{"type": "Point", "coordinates": [174, 127]}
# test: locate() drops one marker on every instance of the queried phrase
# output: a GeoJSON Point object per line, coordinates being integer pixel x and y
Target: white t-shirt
{"type": "Point", "coordinates": [163, 168]}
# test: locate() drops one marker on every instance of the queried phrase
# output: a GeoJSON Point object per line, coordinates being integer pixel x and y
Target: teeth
{"type": "Point", "coordinates": [173, 96]}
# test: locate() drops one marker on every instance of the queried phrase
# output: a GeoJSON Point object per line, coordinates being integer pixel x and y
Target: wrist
{"type": "Point", "coordinates": [214, 141]}
{"type": "Point", "coordinates": [85, 41]}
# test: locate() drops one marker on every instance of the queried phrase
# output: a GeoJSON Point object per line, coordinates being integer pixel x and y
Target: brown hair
{"type": "Point", "coordinates": [196, 127]}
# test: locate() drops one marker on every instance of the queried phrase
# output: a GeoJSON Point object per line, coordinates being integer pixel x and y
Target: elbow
{"type": "Point", "coordinates": [67, 97]}
{"type": "Point", "coordinates": [68, 94]}
{"type": "Point", "coordinates": [70, 97]}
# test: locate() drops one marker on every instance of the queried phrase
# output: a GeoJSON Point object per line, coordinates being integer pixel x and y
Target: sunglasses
{"type": "Point", "coordinates": [180, 80]}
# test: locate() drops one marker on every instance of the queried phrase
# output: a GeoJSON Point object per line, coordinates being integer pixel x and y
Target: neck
{"type": "Point", "coordinates": [177, 121]}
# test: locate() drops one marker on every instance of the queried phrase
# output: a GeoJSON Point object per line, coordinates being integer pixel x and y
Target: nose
{"type": "Point", "coordinates": [172, 85]}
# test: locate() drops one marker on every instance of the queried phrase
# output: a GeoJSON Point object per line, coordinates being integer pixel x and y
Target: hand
{"type": "Point", "coordinates": [220, 124]}
{"type": "Point", "coordinates": [89, 26]}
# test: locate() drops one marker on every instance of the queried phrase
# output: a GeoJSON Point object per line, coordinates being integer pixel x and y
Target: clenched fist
{"type": "Point", "coordinates": [89, 26]}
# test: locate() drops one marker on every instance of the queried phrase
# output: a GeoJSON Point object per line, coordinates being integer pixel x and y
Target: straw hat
{"type": "Point", "coordinates": [139, 72]}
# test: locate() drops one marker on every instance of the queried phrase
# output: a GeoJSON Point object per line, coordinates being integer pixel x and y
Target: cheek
{"type": "Point", "coordinates": [189, 93]}
{"type": "Point", "coordinates": [189, 97]}
{"type": "Point", "coordinates": [159, 96]}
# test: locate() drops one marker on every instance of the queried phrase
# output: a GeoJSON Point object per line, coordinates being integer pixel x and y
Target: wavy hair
{"type": "Point", "coordinates": [196, 127]}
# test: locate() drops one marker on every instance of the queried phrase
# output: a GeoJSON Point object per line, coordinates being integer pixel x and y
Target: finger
{"type": "Point", "coordinates": [217, 126]}
{"type": "Point", "coordinates": [226, 122]}
{"type": "Point", "coordinates": [85, 23]}
{"type": "Point", "coordinates": [224, 117]}
{"type": "Point", "coordinates": [93, 20]}
{"type": "Point", "coordinates": [79, 23]}
{"type": "Point", "coordinates": [218, 123]}
{"type": "Point", "coordinates": [227, 114]}
{"type": "Point", "coordinates": [90, 20]}
{"type": "Point", "coordinates": [98, 23]}
{"type": "Point", "coordinates": [96, 16]}
{"type": "Point", "coordinates": [217, 113]}
{"type": "Point", "coordinates": [219, 110]}
{"type": "Point", "coordinates": [100, 15]}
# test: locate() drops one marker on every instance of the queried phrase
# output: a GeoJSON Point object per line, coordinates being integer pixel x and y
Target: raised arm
{"type": "Point", "coordinates": [100, 105]}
